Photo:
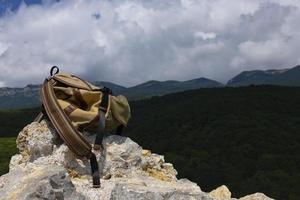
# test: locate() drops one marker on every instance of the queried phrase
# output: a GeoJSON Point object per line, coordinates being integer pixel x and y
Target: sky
{"type": "Point", "coordinates": [132, 41]}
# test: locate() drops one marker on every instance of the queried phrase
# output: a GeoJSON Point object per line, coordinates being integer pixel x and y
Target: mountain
{"type": "Point", "coordinates": [288, 77]}
{"type": "Point", "coordinates": [153, 88]}
{"type": "Point", "coordinates": [12, 98]}
{"type": "Point", "coordinates": [200, 83]}
{"type": "Point", "coordinates": [19, 97]}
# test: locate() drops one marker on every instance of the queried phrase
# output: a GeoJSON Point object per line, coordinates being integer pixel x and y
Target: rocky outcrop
{"type": "Point", "coordinates": [46, 169]}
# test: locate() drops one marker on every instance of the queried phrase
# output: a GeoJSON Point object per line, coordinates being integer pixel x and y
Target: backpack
{"type": "Point", "coordinates": [74, 105]}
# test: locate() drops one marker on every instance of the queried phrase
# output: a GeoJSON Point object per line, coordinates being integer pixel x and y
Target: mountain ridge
{"type": "Point", "coordinates": [286, 76]}
{"type": "Point", "coordinates": [11, 98]}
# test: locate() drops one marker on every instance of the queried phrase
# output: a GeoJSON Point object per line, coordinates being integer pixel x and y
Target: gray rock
{"type": "Point", "coordinates": [149, 189]}
{"type": "Point", "coordinates": [45, 168]}
{"type": "Point", "coordinates": [42, 182]}
{"type": "Point", "coordinates": [256, 196]}
{"type": "Point", "coordinates": [34, 141]}
{"type": "Point", "coordinates": [121, 156]}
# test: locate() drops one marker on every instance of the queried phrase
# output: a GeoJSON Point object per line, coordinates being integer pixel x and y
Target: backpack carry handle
{"type": "Point", "coordinates": [52, 73]}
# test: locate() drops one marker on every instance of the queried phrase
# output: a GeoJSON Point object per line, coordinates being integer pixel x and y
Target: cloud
{"type": "Point", "coordinates": [205, 36]}
{"type": "Point", "coordinates": [129, 42]}
{"type": "Point", "coordinates": [267, 53]}
{"type": "Point", "coordinates": [276, 42]}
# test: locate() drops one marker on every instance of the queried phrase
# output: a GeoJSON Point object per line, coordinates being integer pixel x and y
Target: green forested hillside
{"type": "Point", "coordinates": [12, 121]}
{"type": "Point", "coordinates": [247, 138]}
{"type": "Point", "coordinates": [7, 149]}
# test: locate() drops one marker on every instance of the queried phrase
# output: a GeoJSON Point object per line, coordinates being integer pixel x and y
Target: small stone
{"type": "Point", "coordinates": [221, 193]}
{"type": "Point", "coordinates": [256, 196]}
{"type": "Point", "coordinates": [106, 176]}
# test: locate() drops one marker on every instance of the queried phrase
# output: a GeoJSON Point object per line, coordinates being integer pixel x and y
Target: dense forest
{"type": "Point", "coordinates": [12, 121]}
{"type": "Point", "coordinates": [247, 138]}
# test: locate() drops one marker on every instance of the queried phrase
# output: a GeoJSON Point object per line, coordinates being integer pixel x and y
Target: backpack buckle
{"type": "Point", "coordinates": [106, 90]}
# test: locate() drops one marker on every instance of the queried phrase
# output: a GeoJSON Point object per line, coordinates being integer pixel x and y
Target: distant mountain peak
{"type": "Point", "coordinates": [149, 83]}
{"type": "Point", "coordinates": [287, 76]}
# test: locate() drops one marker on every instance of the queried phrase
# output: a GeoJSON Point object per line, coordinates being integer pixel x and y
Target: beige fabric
{"type": "Point", "coordinates": [120, 109]}
{"type": "Point", "coordinates": [81, 100]}
{"type": "Point", "coordinates": [74, 81]}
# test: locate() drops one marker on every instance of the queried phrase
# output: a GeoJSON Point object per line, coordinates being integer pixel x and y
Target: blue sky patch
{"type": "Point", "coordinates": [13, 5]}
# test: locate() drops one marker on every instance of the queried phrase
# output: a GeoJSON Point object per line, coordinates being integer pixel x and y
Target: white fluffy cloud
{"type": "Point", "coordinates": [129, 42]}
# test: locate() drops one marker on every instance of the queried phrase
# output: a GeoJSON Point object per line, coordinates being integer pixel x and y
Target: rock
{"type": "Point", "coordinates": [141, 187]}
{"type": "Point", "coordinates": [221, 192]}
{"type": "Point", "coordinates": [36, 140]}
{"type": "Point", "coordinates": [40, 182]}
{"type": "Point", "coordinates": [122, 156]}
{"type": "Point", "coordinates": [149, 189]}
{"type": "Point", "coordinates": [45, 168]}
{"type": "Point", "coordinates": [256, 196]}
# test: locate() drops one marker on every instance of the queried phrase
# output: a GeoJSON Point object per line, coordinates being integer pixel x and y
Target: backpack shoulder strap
{"type": "Point", "coordinates": [72, 138]}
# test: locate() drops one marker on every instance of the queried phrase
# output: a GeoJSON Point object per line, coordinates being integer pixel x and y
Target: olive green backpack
{"type": "Point", "coordinates": [74, 105]}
